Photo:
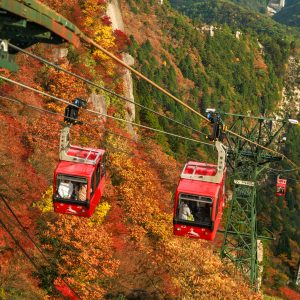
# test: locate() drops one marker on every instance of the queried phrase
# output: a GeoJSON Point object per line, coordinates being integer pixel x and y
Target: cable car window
{"type": "Point", "coordinates": [280, 189]}
{"type": "Point", "coordinates": [103, 165]}
{"type": "Point", "coordinates": [98, 175]}
{"type": "Point", "coordinates": [195, 208]}
{"type": "Point", "coordinates": [217, 204]}
{"type": "Point", "coordinates": [93, 184]}
{"type": "Point", "coordinates": [71, 188]}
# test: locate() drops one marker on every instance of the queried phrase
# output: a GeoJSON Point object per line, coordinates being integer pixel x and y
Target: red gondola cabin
{"type": "Point", "coordinates": [79, 179]}
{"type": "Point", "coordinates": [280, 187]}
{"type": "Point", "coordinates": [199, 198]}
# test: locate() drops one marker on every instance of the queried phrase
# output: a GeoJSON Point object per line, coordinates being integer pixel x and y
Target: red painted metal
{"type": "Point", "coordinates": [76, 172]}
{"type": "Point", "coordinates": [281, 187]}
{"type": "Point", "coordinates": [199, 193]}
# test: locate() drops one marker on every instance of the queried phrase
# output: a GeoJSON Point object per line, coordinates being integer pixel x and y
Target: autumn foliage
{"type": "Point", "coordinates": [128, 244]}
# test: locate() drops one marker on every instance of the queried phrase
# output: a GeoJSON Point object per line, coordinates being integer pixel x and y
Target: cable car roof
{"type": "Point", "coordinates": [80, 168]}
{"type": "Point", "coordinates": [197, 168]}
{"type": "Point", "coordinates": [75, 169]}
{"type": "Point", "coordinates": [83, 154]}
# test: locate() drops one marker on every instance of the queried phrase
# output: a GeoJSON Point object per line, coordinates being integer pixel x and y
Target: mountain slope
{"type": "Point", "coordinates": [127, 250]}
{"type": "Point", "coordinates": [255, 5]}
{"type": "Point", "coordinates": [290, 14]}
{"type": "Point", "coordinates": [258, 5]}
{"type": "Point", "coordinates": [281, 217]}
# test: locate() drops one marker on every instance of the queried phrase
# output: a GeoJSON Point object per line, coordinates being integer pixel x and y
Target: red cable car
{"type": "Point", "coordinates": [281, 187]}
{"type": "Point", "coordinates": [79, 178]}
{"type": "Point", "coordinates": [199, 198]}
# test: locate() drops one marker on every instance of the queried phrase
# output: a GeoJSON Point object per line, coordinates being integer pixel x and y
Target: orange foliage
{"type": "Point", "coordinates": [139, 227]}
{"type": "Point", "coordinates": [84, 252]}
{"type": "Point", "coordinates": [64, 86]}
{"type": "Point", "coordinates": [65, 8]}
{"type": "Point", "coordinates": [179, 267]}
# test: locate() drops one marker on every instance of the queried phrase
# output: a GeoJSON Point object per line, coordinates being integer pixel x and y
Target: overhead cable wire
{"type": "Point", "coordinates": [83, 122]}
{"type": "Point", "coordinates": [23, 229]}
{"type": "Point", "coordinates": [104, 89]}
{"type": "Point", "coordinates": [107, 147]}
{"type": "Point", "coordinates": [164, 91]}
{"type": "Point", "coordinates": [40, 249]}
{"type": "Point", "coordinates": [250, 116]}
{"type": "Point", "coordinates": [288, 178]}
{"type": "Point", "coordinates": [283, 170]}
{"type": "Point", "coordinates": [58, 114]}
{"type": "Point", "coordinates": [106, 130]}
{"type": "Point", "coordinates": [19, 245]}
{"type": "Point", "coordinates": [91, 42]}
{"type": "Point", "coordinates": [102, 114]}
{"type": "Point", "coordinates": [26, 254]}
{"type": "Point", "coordinates": [15, 100]}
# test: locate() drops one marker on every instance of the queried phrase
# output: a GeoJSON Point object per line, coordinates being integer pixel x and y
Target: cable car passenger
{"type": "Point", "coordinates": [203, 214]}
{"type": "Point", "coordinates": [65, 189]}
{"type": "Point", "coordinates": [280, 190]}
{"type": "Point", "coordinates": [185, 212]}
{"type": "Point", "coordinates": [73, 189]}
{"type": "Point", "coordinates": [202, 188]}
{"type": "Point", "coordinates": [82, 192]}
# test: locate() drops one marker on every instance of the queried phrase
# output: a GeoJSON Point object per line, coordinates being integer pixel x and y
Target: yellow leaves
{"type": "Point", "coordinates": [190, 266]}
{"type": "Point", "coordinates": [100, 32]}
{"type": "Point", "coordinates": [45, 204]}
{"type": "Point", "coordinates": [78, 246]}
{"type": "Point", "coordinates": [89, 21]}
{"type": "Point", "coordinates": [65, 86]}
{"type": "Point", "coordinates": [55, 107]}
{"type": "Point", "coordinates": [104, 36]}
{"type": "Point", "coordinates": [100, 213]}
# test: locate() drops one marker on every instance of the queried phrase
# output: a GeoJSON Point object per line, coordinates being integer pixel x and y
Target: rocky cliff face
{"type": "Point", "coordinates": [115, 15]}
{"type": "Point", "coordinates": [291, 92]}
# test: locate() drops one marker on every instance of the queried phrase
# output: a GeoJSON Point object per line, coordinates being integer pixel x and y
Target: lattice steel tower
{"type": "Point", "coordinates": [247, 161]}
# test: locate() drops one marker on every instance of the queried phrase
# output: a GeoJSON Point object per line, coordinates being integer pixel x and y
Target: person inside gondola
{"type": "Point", "coordinates": [82, 193]}
{"type": "Point", "coordinates": [203, 213]}
{"type": "Point", "coordinates": [65, 189]}
{"type": "Point", "coordinates": [185, 212]}
{"type": "Point", "coordinates": [280, 190]}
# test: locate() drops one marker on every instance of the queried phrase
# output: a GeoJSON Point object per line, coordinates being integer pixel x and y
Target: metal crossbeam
{"type": "Point", "coordinates": [24, 23]}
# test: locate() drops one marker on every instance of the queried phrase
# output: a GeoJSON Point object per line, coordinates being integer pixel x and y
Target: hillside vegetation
{"type": "Point", "coordinates": [221, 71]}
{"type": "Point", "coordinates": [127, 249]}
{"type": "Point", "coordinates": [290, 14]}
{"type": "Point", "coordinates": [232, 74]}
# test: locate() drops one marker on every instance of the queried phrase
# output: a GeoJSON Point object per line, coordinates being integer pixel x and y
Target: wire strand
{"type": "Point", "coordinates": [280, 170]}
{"type": "Point", "coordinates": [109, 147]}
{"type": "Point", "coordinates": [93, 43]}
{"type": "Point", "coordinates": [288, 178]}
{"type": "Point", "coordinates": [103, 88]}
{"type": "Point", "coordinates": [106, 130]}
{"type": "Point", "coordinates": [102, 114]}
{"type": "Point", "coordinates": [28, 256]}
{"type": "Point", "coordinates": [23, 229]}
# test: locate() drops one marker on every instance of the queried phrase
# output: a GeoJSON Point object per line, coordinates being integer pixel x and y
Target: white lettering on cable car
{"type": "Point", "coordinates": [70, 210]}
{"type": "Point", "coordinates": [192, 232]}
{"type": "Point", "coordinates": [243, 182]}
